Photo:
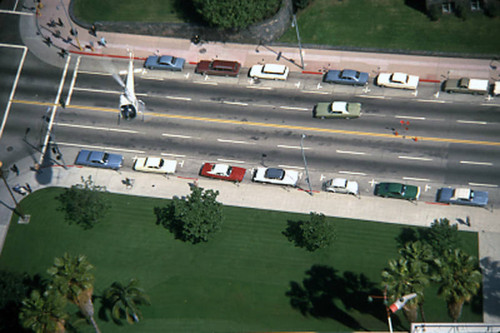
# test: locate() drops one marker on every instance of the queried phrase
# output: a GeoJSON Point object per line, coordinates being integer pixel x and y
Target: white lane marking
{"type": "Point", "coordinates": [353, 173]}
{"type": "Point", "coordinates": [292, 147]}
{"type": "Point", "coordinates": [369, 96]}
{"type": "Point", "coordinates": [476, 163]}
{"type": "Point", "coordinates": [179, 98]}
{"type": "Point", "coordinates": [98, 90]}
{"type": "Point", "coordinates": [235, 103]}
{"type": "Point", "coordinates": [290, 167]}
{"type": "Point", "coordinates": [230, 161]}
{"type": "Point", "coordinates": [261, 88]}
{"type": "Point", "coordinates": [373, 115]}
{"type": "Point", "coordinates": [293, 108]}
{"type": "Point", "coordinates": [172, 155]}
{"type": "Point", "coordinates": [489, 104]}
{"type": "Point", "coordinates": [484, 185]}
{"type": "Point", "coordinates": [431, 100]}
{"type": "Point", "coordinates": [96, 73]}
{"type": "Point", "coordinates": [472, 122]}
{"type": "Point", "coordinates": [97, 128]}
{"type": "Point", "coordinates": [100, 147]}
{"type": "Point", "coordinates": [315, 92]}
{"type": "Point", "coordinates": [350, 152]}
{"type": "Point", "coordinates": [154, 78]}
{"type": "Point", "coordinates": [410, 117]}
{"type": "Point", "coordinates": [236, 141]}
{"type": "Point", "coordinates": [414, 158]}
{"type": "Point", "coordinates": [73, 80]}
{"type": "Point", "coordinates": [417, 179]}
{"type": "Point", "coordinates": [210, 83]}
{"type": "Point", "coordinates": [263, 105]}
{"type": "Point", "coordinates": [177, 136]}
{"type": "Point", "coordinates": [208, 101]}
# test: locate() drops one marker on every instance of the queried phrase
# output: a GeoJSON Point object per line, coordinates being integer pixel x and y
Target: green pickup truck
{"type": "Point", "coordinates": [466, 86]}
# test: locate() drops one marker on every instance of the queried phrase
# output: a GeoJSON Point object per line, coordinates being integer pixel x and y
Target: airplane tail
{"type": "Point", "coordinates": [128, 100]}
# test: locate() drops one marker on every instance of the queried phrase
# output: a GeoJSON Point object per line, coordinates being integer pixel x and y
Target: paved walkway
{"type": "Point", "coordinates": [257, 195]}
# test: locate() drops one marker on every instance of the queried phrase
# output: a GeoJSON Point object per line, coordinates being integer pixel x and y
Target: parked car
{"type": "Point", "coordinates": [340, 185]}
{"type": "Point", "coordinates": [99, 159]}
{"type": "Point", "coordinates": [346, 76]}
{"type": "Point", "coordinates": [398, 191]}
{"type": "Point", "coordinates": [495, 88]}
{"type": "Point", "coordinates": [337, 109]}
{"type": "Point", "coordinates": [398, 80]}
{"type": "Point", "coordinates": [462, 196]}
{"type": "Point", "coordinates": [155, 164]}
{"type": "Point", "coordinates": [276, 176]}
{"type": "Point", "coordinates": [218, 67]}
{"type": "Point", "coordinates": [166, 62]}
{"type": "Point", "coordinates": [269, 72]}
{"type": "Point", "coordinates": [223, 171]}
{"type": "Point", "coordinates": [466, 85]}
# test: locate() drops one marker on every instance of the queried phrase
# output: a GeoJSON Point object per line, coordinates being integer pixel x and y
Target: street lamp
{"type": "Point", "coordinates": [305, 163]}
{"type": "Point", "coordinates": [16, 209]}
{"type": "Point", "coordinates": [296, 25]}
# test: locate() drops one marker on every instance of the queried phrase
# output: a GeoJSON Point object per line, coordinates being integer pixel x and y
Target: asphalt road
{"type": "Point", "coordinates": [234, 120]}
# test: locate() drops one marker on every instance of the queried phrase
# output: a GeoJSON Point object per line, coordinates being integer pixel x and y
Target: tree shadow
{"type": "Point", "coordinates": [187, 12]}
{"type": "Point", "coordinates": [407, 235]}
{"type": "Point", "coordinates": [491, 285]}
{"type": "Point", "coordinates": [417, 5]}
{"type": "Point", "coordinates": [322, 286]}
{"type": "Point", "coordinates": [293, 233]}
{"type": "Point", "coordinates": [105, 310]}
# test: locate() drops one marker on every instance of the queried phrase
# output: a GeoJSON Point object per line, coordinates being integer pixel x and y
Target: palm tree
{"type": "Point", "coordinates": [459, 278]}
{"type": "Point", "coordinates": [72, 277]}
{"type": "Point", "coordinates": [125, 299]}
{"type": "Point", "coordinates": [44, 313]}
{"type": "Point", "coordinates": [409, 274]}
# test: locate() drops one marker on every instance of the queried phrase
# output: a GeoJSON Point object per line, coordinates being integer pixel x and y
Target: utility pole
{"type": "Point", "coordinates": [296, 25]}
{"type": "Point", "coordinates": [305, 163]}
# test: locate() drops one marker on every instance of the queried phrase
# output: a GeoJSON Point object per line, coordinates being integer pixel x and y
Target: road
{"type": "Point", "coordinates": [445, 141]}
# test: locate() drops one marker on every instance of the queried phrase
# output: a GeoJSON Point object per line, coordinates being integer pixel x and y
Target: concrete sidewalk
{"type": "Point", "coordinates": [35, 28]}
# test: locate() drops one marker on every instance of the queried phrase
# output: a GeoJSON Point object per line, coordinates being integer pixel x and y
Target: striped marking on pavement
{"type": "Point", "coordinates": [280, 126]}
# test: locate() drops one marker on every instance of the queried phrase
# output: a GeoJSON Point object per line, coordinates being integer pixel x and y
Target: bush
{"type": "Point", "coordinates": [316, 233]}
{"type": "Point", "coordinates": [462, 9]}
{"type": "Point", "coordinates": [492, 8]}
{"type": "Point", "coordinates": [435, 12]}
{"type": "Point", "coordinates": [300, 4]}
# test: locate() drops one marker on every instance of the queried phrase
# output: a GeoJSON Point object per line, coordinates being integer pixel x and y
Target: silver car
{"type": "Point", "coordinates": [341, 185]}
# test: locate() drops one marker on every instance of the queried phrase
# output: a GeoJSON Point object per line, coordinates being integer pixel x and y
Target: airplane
{"type": "Point", "coordinates": [129, 105]}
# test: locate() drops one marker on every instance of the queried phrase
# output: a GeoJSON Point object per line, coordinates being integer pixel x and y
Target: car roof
{"type": "Point", "coordinates": [220, 168]}
{"type": "Point", "coordinates": [154, 161]}
{"type": "Point", "coordinates": [274, 69]}
{"type": "Point", "coordinates": [399, 77]}
{"type": "Point", "coordinates": [339, 106]}
{"type": "Point", "coordinates": [225, 64]}
{"type": "Point", "coordinates": [350, 73]}
{"type": "Point", "coordinates": [461, 193]}
{"type": "Point", "coordinates": [275, 173]}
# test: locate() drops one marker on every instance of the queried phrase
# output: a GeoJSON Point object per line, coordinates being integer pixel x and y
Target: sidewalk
{"type": "Point", "coordinates": [248, 194]}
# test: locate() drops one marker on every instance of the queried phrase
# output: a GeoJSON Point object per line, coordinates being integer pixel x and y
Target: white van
{"type": "Point", "coordinates": [269, 72]}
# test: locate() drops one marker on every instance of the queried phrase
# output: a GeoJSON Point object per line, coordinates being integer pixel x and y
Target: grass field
{"type": "Point", "coordinates": [388, 24]}
{"type": "Point", "coordinates": [238, 282]}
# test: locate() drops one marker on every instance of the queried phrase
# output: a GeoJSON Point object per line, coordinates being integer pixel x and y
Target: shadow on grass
{"type": "Point", "coordinates": [294, 233]}
{"type": "Point", "coordinates": [317, 294]}
{"type": "Point", "coordinates": [187, 12]}
{"type": "Point", "coordinates": [417, 5]}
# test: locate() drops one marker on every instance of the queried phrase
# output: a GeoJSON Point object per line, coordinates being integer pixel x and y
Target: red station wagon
{"type": "Point", "coordinates": [223, 171]}
{"type": "Point", "coordinates": [218, 67]}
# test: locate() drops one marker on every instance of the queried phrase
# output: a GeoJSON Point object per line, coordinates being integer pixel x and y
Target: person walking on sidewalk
{"type": "Point", "coordinates": [15, 169]}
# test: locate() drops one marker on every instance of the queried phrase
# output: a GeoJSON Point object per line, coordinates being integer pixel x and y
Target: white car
{"type": "Point", "coordinates": [276, 176]}
{"type": "Point", "coordinates": [269, 72]}
{"type": "Point", "coordinates": [155, 164]}
{"type": "Point", "coordinates": [496, 88]}
{"type": "Point", "coordinates": [340, 185]}
{"type": "Point", "coordinates": [398, 80]}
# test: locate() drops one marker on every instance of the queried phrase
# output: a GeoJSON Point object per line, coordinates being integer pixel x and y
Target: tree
{"type": "Point", "coordinates": [196, 218]}
{"type": "Point", "coordinates": [235, 14]}
{"type": "Point", "coordinates": [442, 236]}
{"type": "Point", "coordinates": [459, 279]}
{"type": "Point", "coordinates": [409, 274]}
{"type": "Point", "coordinates": [124, 300]}
{"type": "Point", "coordinates": [84, 203]}
{"type": "Point", "coordinates": [44, 312]}
{"type": "Point", "coordinates": [72, 277]}
{"type": "Point", "coordinates": [317, 233]}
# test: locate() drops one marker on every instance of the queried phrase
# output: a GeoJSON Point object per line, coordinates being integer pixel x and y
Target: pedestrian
{"type": "Point", "coordinates": [93, 31]}
{"type": "Point", "coordinates": [103, 41]}
{"type": "Point", "coordinates": [19, 189]}
{"type": "Point", "coordinates": [52, 23]}
{"type": "Point", "coordinates": [15, 169]}
{"type": "Point", "coordinates": [28, 187]}
{"type": "Point", "coordinates": [61, 101]}
{"type": "Point", "coordinates": [60, 22]}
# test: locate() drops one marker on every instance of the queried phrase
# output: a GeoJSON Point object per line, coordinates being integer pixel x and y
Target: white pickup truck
{"type": "Point", "coordinates": [466, 86]}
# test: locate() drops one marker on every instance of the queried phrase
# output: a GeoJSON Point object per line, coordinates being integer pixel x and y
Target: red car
{"type": "Point", "coordinates": [218, 67]}
{"type": "Point", "coordinates": [223, 171]}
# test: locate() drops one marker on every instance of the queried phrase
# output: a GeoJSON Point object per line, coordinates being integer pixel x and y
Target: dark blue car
{"type": "Point", "coordinates": [99, 159]}
{"type": "Point", "coordinates": [347, 76]}
{"type": "Point", "coordinates": [462, 196]}
{"type": "Point", "coordinates": [165, 62]}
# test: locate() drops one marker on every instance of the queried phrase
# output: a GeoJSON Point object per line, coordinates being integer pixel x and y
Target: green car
{"type": "Point", "coordinates": [337, 109]}
{"type": "Point", "coordinates": [397, 190]}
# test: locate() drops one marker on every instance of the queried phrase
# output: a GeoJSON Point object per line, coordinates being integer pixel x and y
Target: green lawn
{"type": "Point", "coordinates": [387, 24]}
{"type": "Point", "coordinates": [238, 282]}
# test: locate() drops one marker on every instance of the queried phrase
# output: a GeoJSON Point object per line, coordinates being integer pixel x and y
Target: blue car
{"type": "Point", "coordinates": [99, 159]}
{"type": "Point", "coordinates": [347, 76]}
{"type": "Point", "coordinates": [462, 196]}
{"type": "Point", "coordinates": [165, 62]}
